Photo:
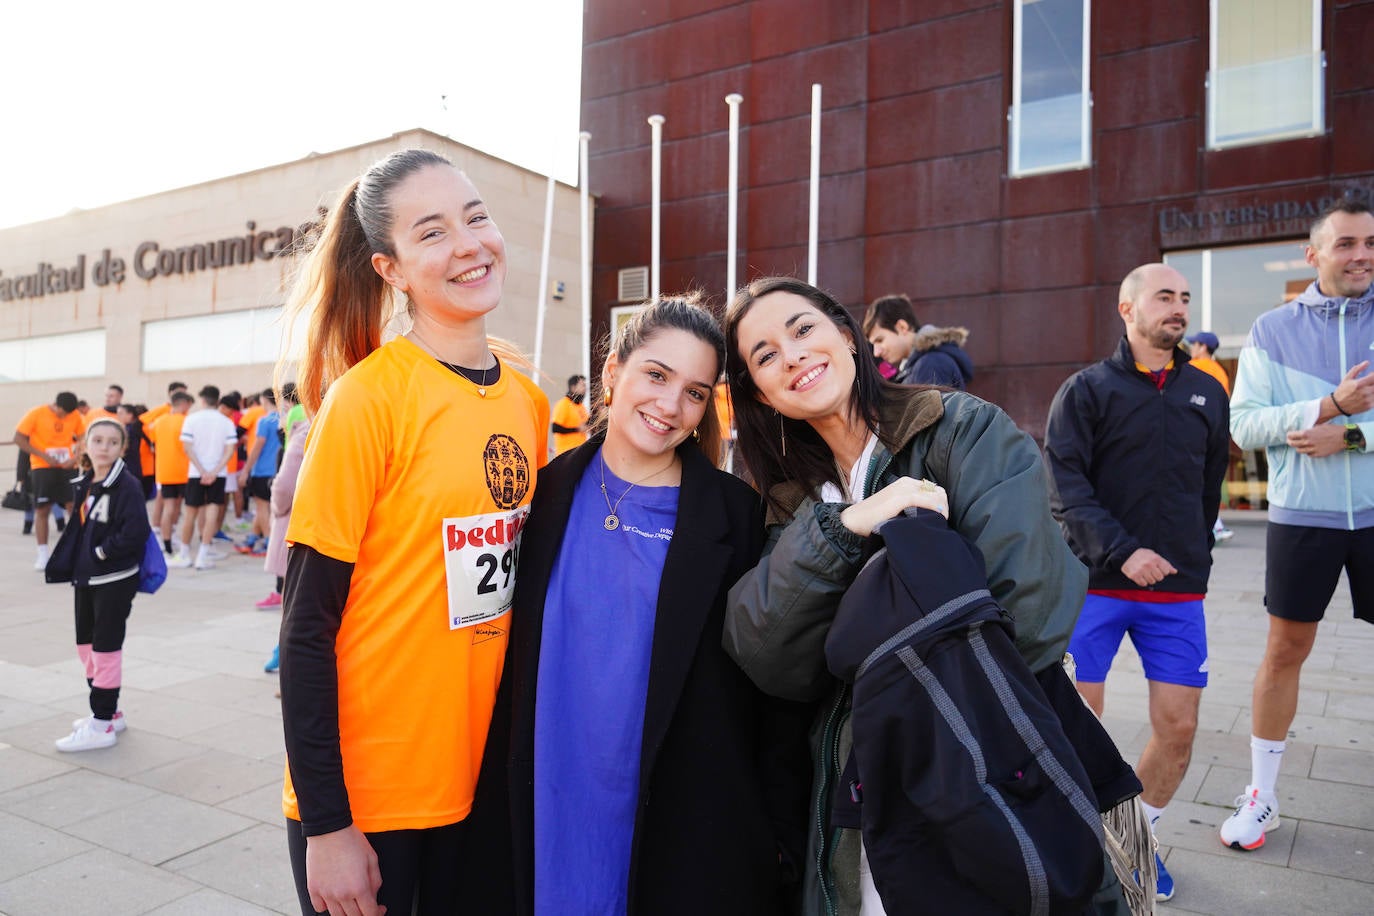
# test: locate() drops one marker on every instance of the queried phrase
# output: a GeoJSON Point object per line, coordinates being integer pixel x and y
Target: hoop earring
{"type": "Point", "coordinates": [606, 397]}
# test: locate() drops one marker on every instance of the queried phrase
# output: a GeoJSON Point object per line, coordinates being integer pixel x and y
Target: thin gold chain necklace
{"type": "Point", "coordinates": [461, 371]}
{"type": "Point", "coordinates": [612, 521]}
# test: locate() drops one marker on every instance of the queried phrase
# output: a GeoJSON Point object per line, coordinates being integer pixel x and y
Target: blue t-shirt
{"type": "Point", "coordinates": [589, 706]}
{"type": "Point", "coordinates": [266, 465]}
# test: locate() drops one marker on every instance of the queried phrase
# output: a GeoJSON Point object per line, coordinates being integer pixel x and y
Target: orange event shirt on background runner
{"type": "Point", "coordinates": [423, 485]}
{"type": "Point", "coordinates": [49, 432]}
{"type": "Point", "coordinates": [566, 413]}
{"type": "Point", "coordinates": [173, 467]}
{"type": "Point", "coordinates": [249, 422]}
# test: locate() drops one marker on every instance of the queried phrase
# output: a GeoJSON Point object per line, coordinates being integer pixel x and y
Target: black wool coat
{"type": "Point", "coordinates": [724, 769]}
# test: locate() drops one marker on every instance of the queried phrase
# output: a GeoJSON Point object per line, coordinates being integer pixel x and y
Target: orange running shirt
{"type": "Point", "coordinates": [423, 485]}
{"type": "Point", "coordinates": [1214, 369]}
{"type": "Point", "coordinates": [249, 422]}
{"type": "Point", "coordinates": [49, 432]}
{"type": "Point", "coordinates": [567, 413]}
{"type": "Point", "coordinates": [171, 462]}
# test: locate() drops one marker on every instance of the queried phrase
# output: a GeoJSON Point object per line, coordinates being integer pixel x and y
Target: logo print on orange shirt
{"type": "Point", "coordinates": [508, 471]}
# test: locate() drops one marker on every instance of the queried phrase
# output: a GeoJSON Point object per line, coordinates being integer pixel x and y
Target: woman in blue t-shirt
{"type": "Point", "coordinates": [648, 775]}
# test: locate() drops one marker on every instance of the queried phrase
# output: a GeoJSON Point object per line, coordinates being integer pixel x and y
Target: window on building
{"type": "Point", "coordinates": [36, 359]}
{"type": "Point", "coordinates": [1266, 71]}
{"type": "Point", "coordinates": [1232, 287]}
{"type": "Point", "coordinates": [1050, 101]}
{"type": "Point", "coordinates": [226, 339]}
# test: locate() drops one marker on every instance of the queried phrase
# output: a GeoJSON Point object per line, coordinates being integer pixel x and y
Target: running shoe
{"type": "Point", "coordinates": [1164, 886]}
{"type": "Point", "coordinates": [247, 547]}
{"type": "Point", "coordinates": [90, 735]}
{"type": "Point", "coordinates": [1255, 816]}
{"type": "Point", "coordinates": [118, 720]}
{"type": "Point", "coordinates": [1223, 534]}
{"type": "Point", "coordinates": [271, 601]}
{"type": "Point", "coordinates": [274, 662]}
{"type": "Point", "coordinates": [221, 536]}
{"type": "Point", "coordinates": [180, 561]}
{"type": "Point", "coordinates": [214, 554]}
{"type": "Point", "coordinates": [206, 562]}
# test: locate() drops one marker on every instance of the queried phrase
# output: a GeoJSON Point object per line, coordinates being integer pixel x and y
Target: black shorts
{"type": "Point", "coordinates": [1303, 566]}
{"type": "Point", "coordinates": [149, 487]}
{"type": "Point", "coordinates": [197, 494]}
{"type": "Point", "coordinates": [51, 485]}
{"type": "Point", "coordinates": [260, 488]}
{"type": "Point", "coordinates": [172, 490]}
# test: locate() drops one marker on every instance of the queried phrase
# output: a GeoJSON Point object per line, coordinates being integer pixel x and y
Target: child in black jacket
{"type": "Point", "coordinates": [99, 554]}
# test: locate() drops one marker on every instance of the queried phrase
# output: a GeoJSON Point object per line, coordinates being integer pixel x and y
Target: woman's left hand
{"type": "Point", "coordinates": [891, 501]}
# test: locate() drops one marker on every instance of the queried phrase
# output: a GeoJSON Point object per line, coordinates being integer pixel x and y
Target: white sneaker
{"type": "Point", "coordinates": [1223, 534]}
{"type": "Point", "coordinates": [88, 737]}
{"type": "Point", "coordinates": [180, 561]}
{"type": "Point", "coordinates": [1255, 816]}
{"type": "Point", "coordinates": [214, 554]}
{"type": "Point", "coordinates": [118, 721]}
{"type": "Point", "coordinates": [205, 561]}
{"type": "Point", "coordinates": [41, 563]}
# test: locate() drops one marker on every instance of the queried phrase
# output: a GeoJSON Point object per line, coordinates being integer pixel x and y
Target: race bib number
{"type": "Point", "coordinates": [480, 553]}
{"type": "Point", "coordinates": [59, 455]}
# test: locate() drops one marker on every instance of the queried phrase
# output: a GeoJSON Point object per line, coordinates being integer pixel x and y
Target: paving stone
{"type": "Point", "coordinates": [211, 777]}
{"type": "Point", "coordinates": [19, 767]}
{"type": "Point", "coordinates": [251, 865]}
{"type": "Point", "coordinates": [209, 903]}
{"type": "Point", "coordinates": [30, 846]}
{"type": "Point", "coordinates": [159, 828]}
{"type": "Point", "coordinates": [263, 803]}
{"type": "Point", "coordinates": [95, 883]}
{"type": "Point", "coordinates": [1299, 797]}
{"type": "Point", "coordinates": [1342, 765]}
{"type": "Point", "coordinates": [1331, 850]}
{"type": "Point", "coordinates": [71, 797]}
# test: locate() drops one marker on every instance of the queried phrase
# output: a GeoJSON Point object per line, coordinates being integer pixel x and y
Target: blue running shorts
{"type": "Point", "coordinates": [1170, 638]}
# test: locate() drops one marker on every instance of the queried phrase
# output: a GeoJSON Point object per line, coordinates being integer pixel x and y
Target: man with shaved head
{"type": "Point", "coordinates": [1137, 449]}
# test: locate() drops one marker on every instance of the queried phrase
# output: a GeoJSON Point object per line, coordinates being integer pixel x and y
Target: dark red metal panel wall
{"type": "Point", "coordinates": [914, 192]}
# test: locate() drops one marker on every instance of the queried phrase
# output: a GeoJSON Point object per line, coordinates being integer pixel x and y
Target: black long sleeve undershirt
{"type": "Point", "coordinates": [312, 610]}
{"type": "Point", "coordinates": [565, 429]}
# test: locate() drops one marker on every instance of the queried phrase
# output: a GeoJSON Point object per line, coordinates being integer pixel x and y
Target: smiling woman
{"type": "Point", "coordinates": [388, 617]}
{"type": "Point", "coordinates": [647, 774]}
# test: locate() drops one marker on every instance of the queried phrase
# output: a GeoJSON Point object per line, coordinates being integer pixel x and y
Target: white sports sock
{"type": "Point", "coordinates": [1153, 813]}
{"type": "Point", "coordinates": [42, 551]}
{"type": "Point", "coordinates": [1265, 758]}
{"type": "Point", "coordinates": [203, 553]}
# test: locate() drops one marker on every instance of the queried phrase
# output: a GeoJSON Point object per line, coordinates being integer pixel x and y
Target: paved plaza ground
{"type": "Point", "coordinates": [183, 815]}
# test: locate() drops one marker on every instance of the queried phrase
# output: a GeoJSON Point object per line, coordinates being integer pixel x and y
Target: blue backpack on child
{"type": "Point", "coordinates": [152, 569]}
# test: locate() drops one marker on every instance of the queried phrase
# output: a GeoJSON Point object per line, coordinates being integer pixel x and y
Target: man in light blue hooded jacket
{"type": "Point", "coordinates": [1304, 393]}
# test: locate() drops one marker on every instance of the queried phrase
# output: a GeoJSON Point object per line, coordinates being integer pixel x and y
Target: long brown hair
{"type": "Point", "coordinates": [683, 312]}
{"type": "Point", "coordinates": [348, 302]}
{"type": "Point", "coordinates": [761, 429]}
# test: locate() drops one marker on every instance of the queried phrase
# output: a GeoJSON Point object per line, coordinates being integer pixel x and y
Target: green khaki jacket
{"type": "Point", "coordinates": [780, 612]}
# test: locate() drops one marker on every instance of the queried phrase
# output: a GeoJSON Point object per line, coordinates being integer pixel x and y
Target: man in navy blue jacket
{"type": "Point", "coordinates": [1137, 448]}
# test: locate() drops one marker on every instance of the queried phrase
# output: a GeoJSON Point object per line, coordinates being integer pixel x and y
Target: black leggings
{"type": "Point", "coordinates": [102, 613]}
{"type": "Point", "coordinates": [420, 873]}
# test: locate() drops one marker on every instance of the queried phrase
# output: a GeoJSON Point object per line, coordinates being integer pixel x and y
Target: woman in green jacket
{"type": "Point", "coordinates": [836, 450]}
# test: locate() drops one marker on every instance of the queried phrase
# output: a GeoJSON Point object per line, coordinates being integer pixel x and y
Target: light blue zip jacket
{"type": "Point", "coordinates": [1296, 355]}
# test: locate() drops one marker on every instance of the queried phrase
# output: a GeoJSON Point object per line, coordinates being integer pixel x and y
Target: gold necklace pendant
{"type": "Point", "coordinates": [612, 522]}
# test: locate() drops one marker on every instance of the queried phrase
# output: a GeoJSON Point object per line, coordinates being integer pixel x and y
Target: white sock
{"type": "Point", "coordinates": [1265, 758]}
{"type": "Point", "coordinates": [43, 552]}
{"type": "Point", "coordinates": [203, 553]}
{"type": "Point", "coordinates": [1153, 813]}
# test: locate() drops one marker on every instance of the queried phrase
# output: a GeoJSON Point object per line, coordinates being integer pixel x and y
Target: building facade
{"type": "Point", "coordinates": [188, 284]}
{"type": "Point", "coordinates": [1003, 162]}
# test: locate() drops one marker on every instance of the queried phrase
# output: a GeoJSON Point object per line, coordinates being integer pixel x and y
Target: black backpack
{"type": "Point", "coordinates": [973, 799]}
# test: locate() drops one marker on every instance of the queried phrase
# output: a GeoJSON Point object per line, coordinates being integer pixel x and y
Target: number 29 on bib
{"type": "Point", "coordinates": [480, 553]}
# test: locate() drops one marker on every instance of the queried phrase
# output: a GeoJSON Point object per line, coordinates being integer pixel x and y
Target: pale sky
{"type": "Point", "coordinates": [102, 102]}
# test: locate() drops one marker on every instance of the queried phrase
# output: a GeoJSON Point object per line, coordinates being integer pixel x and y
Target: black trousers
{"type": "Point", "coordinates": [102, 613]}
{"type": "Point", "coordinates": [421, 873]}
